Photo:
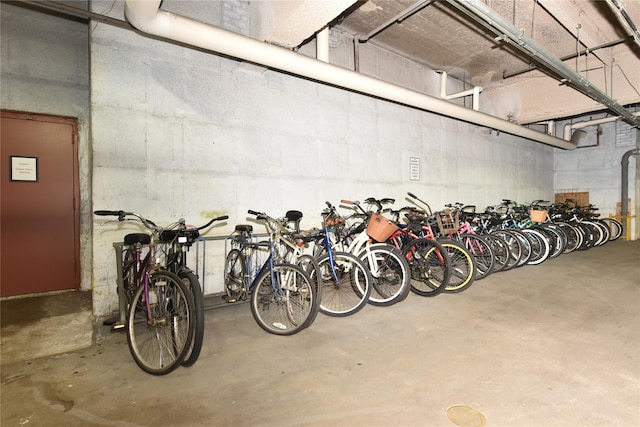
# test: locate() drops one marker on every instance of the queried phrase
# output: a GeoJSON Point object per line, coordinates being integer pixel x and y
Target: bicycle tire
{"type": "Point", "coordinates": [615, 228]}
{"type": "Point", "coordinates": [390, 273]}
{"type": "Point", "coordinates": [603, 231]}
{"type": "Point", "coordinates": [539, 246]}
{"type": "Point", "coordinates": [191, 281]}
{"type": "Point", "coordinates": [463, 267]}
{"type": "Point", "coordinates": [480, 249]}
{"type": "Point", "coordinates": [573, 235]}
{"type": "Point", "coordinates": [287, 306]}
{"type": "Point", "coordinates": [589, 235]}
{"type": "Point", "coordinates": [128, 275]}
{"type": "Point", "coordinates": [310, 265]}
{"type": "Point", "coordinates": [515, 248]}
{"type": "Point", "coordinates": [348, 291]}
{"type": "Point", "coordinates": [525, 242]}
{"type": "Point", "coordinates": [235, 280]}
{"type": "Point", "coordinates": [429, 266]}
{"type": "Point", "coordinates": [557, 238]}
{"type": "Point", "coordinates": [159, 345]}
{"type": "Point", "coordinates": [500, 250]}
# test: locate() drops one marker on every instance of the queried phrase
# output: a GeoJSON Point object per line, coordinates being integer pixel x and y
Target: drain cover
{"type": "Point", "coordinates": [465, 416]}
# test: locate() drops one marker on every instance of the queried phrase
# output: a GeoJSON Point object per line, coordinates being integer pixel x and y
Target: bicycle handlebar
{"type": "Point", "coordinates": [150, 224]}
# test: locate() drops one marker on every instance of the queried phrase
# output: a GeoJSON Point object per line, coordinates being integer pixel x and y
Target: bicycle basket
{"type": "Point", "coordinates": [448, 221]}
{"type": "Point", "coordinates": [537, 216]}
{"type": "Point", "coordinates": [380, 228]}
{"type": "Point", "coordinates": [333, 221]}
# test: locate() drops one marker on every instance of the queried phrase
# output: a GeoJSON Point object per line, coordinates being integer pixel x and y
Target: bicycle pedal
{"type": "Point", "coordinates": [117, 327]}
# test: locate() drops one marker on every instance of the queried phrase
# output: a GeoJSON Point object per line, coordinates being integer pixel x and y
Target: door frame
{"type": "Point", "coordinates": [73, 122]}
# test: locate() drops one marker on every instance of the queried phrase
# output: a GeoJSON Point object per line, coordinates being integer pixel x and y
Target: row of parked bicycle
{"type": "Point", "coordinates": [372, 254]}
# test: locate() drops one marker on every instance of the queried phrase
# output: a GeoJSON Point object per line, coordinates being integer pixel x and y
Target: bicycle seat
{"type": "Point", "coordinates": [133, 238]}
{"type": "Point", "coordinates": [244, 228]}
{"type": "Point", "coordinates": [294, 216]}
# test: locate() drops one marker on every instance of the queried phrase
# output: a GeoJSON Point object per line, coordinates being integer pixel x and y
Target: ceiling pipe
{"type": "Point", "coordinates": [618, 7]}
{"type": "Point", "coordinates": [532, 67]}
{"type": "Point", "coordinates": [474, 92]}
{"type": "Point", "coordinates": [147, 17]}
{"type": "Point", "coordinates": [416, 7]}
{"type": "Point", "coordinates": [481, 13]}
{"type": "Point", "coordinates": [569, 127]}
{"type": "Point", "coordinates": [322, 45]}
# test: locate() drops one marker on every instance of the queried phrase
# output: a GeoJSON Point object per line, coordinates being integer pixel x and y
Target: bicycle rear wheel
{"type": "Point", "coordinates": [235, 279]}
{"type": "Point", "coordinates": [284, 300]}
{"type": "Point", "coordinates": [429, 266]}
{"type": "Point", "coordinates": [160, 323]}
{"type": "Point", "coordinates": [193, 284]}
{"type": "Point", "coordinates": [346, 284]}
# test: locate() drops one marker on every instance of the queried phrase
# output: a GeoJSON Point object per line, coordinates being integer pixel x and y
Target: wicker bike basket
{"type": "Point", "coordinates": [333, 221]}
{"type": "Point", "coordinates": [537, 216]}
{"type": "Point", "coordinates": [380, 228]}
{"type": "Point", "coordinates": [448, 221]}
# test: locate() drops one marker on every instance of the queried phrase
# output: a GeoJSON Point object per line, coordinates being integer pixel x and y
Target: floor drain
{"type": "Point", "coordinates": [465, 416]}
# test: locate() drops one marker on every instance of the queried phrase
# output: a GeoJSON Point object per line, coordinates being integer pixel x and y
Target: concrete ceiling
{"type": "Point", "coordinates": [438, 35]}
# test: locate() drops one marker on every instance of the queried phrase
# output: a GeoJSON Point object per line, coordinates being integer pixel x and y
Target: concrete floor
{"type": "Point", "coordinates": [552, 345]}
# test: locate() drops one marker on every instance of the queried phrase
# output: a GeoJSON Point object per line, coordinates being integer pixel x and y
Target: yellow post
{"type": "Point", "coordinates": [626, 220]}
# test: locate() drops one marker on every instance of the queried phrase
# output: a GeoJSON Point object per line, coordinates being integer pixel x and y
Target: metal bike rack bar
{"type": "Point", "coordinates": [122, 300]}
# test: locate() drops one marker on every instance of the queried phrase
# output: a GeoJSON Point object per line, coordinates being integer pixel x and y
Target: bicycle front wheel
{"type": "Point", "coordinates": [160, 324]}
{"type": "Point", "coordinates": [284, 301]}
{"type": "Point", "coordinates": [463, 267]}
{"type": "Point", "coordinates": [346, 284]}
{"type": "Point", "coordinates": [390, 272]}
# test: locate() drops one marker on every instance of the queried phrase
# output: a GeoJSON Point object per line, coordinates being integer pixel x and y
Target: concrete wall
{"type": "Point", "coordinates": [595, 167]}
{"type": "Point", "coordinates": [45, 70]}
{"type": "Point", "coordinates": [182, 133]}
{"type": "Point", "coordinates": [176, 132]}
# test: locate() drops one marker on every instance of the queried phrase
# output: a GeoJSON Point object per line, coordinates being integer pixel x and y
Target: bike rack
{"type": "Point", "coordinates": [121, 317]}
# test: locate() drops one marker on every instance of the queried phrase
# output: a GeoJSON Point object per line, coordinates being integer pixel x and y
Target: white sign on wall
{"type": "Point", "coordinates": [414, 169]}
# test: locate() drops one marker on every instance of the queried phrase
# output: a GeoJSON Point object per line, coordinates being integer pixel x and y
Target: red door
{"type": "Point", "coordinates": [39, 227]}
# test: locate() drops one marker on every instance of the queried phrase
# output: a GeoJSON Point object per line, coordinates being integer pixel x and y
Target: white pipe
{"type": "Point", "coordinates": [569, 127]}
{"type": "Point", "coordinates": [147, 17]}
{"type": "Point", "coordinates": [476, 98]}
{"type": "Point", "coordinates": [443, 84]}
{"type": "Point", "coordinates": [551, 127]}
{"type": "Point", "coordinates": [322, 45]}
{"type": "Point", "coordinates": [475, 92]}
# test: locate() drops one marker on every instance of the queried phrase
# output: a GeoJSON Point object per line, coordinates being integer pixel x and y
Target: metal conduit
{"type": "Point", "coordinates": [625, 180]}
{"type": "Point", "coordinates": [495, 23]}
{"type": "Point", "coordinates": [147, 17]}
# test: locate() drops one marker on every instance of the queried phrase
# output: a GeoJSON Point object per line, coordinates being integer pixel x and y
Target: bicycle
{"type": "Point", "coordinates": [462, 264]}
{"type": "Point", "coordinates": [160, 318]}
{"type": "Point", "coordinates": [428, 260]}
{"type": "Point", "coordinates": [283, 299]}
{"type": "Point", "coordinates": [345, 280]}
{"type": "Point", "coordinates": [388, 267]}
{"type": "Point", "coordinates": [178, 238]}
